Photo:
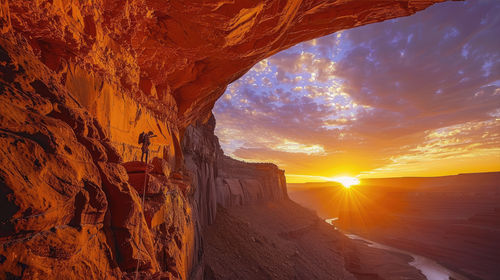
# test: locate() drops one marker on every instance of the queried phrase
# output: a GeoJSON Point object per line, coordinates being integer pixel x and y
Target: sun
{"type": "Point", "coordinates": [346, 181]}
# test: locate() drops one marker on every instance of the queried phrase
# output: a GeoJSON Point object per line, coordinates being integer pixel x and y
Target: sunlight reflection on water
{"type": "Point", "coordinates": [431, 269]}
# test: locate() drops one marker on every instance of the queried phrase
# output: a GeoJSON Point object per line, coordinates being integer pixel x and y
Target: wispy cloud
{"type": "Point", "coordinates": [403, 97]}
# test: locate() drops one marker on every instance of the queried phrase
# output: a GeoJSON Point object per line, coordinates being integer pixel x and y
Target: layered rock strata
{"type": "Point", "coordinates": [79, 80]}
{"type": "Point", "coordinates": [219, 179]}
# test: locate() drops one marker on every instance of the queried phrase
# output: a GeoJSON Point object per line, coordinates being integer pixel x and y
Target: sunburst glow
{"type": "Point", "coordinates": [346, 181]}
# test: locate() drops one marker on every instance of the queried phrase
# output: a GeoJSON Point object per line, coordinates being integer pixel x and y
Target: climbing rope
{"type": "Point", "coordinates": [146, 173]}
{"type": "Point", "coordinates": [140, 224]}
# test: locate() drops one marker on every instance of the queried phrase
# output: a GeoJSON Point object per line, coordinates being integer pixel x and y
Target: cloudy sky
{"type": "Point", "coordinates": [415, 96]}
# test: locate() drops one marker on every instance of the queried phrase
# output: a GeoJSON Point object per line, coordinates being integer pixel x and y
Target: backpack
{"type": "Point", "coordinates": [141, 138]}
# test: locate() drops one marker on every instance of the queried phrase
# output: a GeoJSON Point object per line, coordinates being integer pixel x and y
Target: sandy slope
{"type": "Point", "coordinates": [282, 240]}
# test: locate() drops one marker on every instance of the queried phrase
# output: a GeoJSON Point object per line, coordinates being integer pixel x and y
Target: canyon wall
{"type": "Point", "coordinates": [242, 183]}
{"type": "Point", "coordinates": [80, 80]}
{"type": "Point", "coordinates": [219, 179]}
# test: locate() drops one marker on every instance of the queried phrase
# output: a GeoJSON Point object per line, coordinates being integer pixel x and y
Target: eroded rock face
{"type": "Point", "coordinates": [169, 217]}
{"type": "Point", "coordinates": [201, 149]}
{"type": "Point", "coordinates": [258, 182]}
{"type": "Point", "coordinates": [79, 81]}
{"type": "Point", "coordinates": [68, 207]}
{"type": "Point", "coordinates": [219, 179]}
{"type": "Point", "coordinates": [55, 209]}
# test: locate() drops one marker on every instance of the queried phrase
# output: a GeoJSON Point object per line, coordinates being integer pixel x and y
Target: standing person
{"type": "Point", "coordinates": [145, 139]}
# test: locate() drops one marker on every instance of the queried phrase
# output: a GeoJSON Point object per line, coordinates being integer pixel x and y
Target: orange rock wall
{"type": "Point", "coordinates": [66, 200]}
{"type": "Point", "coordinates": [79, 80]}
{"type": "Point", "coordinates": [123, 118]}
{"type": "Point", "coordinates": [55, 212]}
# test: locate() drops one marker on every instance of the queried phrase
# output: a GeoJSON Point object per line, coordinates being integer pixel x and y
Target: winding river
{"type": "Point", "coordinates": [430, 268]}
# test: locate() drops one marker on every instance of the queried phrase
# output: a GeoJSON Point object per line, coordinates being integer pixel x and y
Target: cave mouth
{"type": "Point", "coordinates": [412, 96]}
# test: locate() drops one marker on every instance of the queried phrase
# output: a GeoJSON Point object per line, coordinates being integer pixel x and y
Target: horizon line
{"type": "Point", "coordinates": [329, 179]}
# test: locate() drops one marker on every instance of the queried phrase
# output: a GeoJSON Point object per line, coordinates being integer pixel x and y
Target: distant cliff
{"type": "Point", "coordinates": [219, 179]}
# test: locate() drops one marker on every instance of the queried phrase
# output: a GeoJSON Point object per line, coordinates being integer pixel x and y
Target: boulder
{"type": "Point", "coordinates": [136, 166]}
{"type": "Point", "coordinates": [134, 242]}
{"type": "Point", "coordinates": [161, 166]}
{"type": "Point", "coordinates": [154, 184]}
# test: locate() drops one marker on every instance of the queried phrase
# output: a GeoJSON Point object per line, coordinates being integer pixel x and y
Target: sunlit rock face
{"type": "Point", "coordinates": [79, 80]}
{"type": "Point", "coordinates": [246, 183]}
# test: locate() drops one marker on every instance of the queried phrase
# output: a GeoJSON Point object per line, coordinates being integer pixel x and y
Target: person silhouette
{"type": "Point", "coordinates": [146, 141]}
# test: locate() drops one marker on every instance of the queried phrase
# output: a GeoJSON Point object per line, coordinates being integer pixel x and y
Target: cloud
{"type": "Point", "coordinates": [373, 99]}
{"type": "Point", "coordinates": [445, 147]}
{"type": "Point", "coordinates": [298, 148]}
{"type": "Point", "coordinates": [310, 64]}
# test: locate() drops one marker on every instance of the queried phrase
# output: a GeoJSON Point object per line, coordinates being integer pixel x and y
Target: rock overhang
{"type": "Point", "coordinates": [177, 57]}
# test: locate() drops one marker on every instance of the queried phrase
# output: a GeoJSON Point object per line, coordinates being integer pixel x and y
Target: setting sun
{"type": "Point", "coordinates": [346, 181]}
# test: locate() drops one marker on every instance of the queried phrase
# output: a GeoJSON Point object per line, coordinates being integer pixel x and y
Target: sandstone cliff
{"type": "Point", "coordinates": [79, 80]}
{"type": "Point", "coordinates": [219, 179]}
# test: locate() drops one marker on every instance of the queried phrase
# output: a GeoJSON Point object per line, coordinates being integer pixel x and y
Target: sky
{"type": "Point", "coordinates": [413, 96]}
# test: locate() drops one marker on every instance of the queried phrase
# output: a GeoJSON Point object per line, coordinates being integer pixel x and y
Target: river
{"type": "Point", "coordinates": [430, 268]}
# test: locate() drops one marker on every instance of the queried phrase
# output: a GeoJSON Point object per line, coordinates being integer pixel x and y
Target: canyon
{"type": "Point", "coordinates": [80, 80]}
{"type": "Point", "coordinates": [453, 220]}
